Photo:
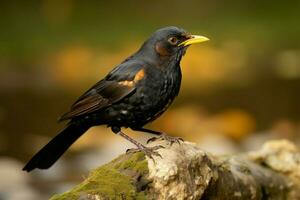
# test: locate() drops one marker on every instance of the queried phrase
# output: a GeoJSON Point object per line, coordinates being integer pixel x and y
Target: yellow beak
{"type": "Point", "coordinates": [193, 40]}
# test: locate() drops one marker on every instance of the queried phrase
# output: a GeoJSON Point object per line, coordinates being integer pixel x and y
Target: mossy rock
{"type": "Point", "coordinates": [123, 178]}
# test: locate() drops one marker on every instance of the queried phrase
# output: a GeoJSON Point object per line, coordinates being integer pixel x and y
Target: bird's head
{"type": "Point", "coordinates": [171, 41]}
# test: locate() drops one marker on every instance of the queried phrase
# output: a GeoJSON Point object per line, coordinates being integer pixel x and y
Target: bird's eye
{"type": "Point", "coordinates": [173, 40]}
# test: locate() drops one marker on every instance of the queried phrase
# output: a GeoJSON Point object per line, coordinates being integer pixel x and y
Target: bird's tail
{"type": "Point", "coordinates": [50, 153]}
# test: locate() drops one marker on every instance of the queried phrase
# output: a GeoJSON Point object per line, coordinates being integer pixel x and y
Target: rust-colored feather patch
{"type": "Point", "coordinates": [127, 83]}
{"type": "Point", "coordinates": [161, 50]}
{"type": "Point", "coordinates": [139, 76]}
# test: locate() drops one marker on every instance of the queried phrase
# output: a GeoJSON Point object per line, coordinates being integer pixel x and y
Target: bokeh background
{"type": "Point", "coordinates": [239, 90]}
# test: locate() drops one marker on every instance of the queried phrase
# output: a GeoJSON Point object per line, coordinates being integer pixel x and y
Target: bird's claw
{"type": "Point", "coordinates": [167, 138]}
{"type": "Point", "coordinates": [148, 151]}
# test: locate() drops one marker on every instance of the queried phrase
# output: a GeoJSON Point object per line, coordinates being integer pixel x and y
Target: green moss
{"type": "Point", "coordinates": [136, 162]}
{"type": "Point", "coordinates": [111, 181]}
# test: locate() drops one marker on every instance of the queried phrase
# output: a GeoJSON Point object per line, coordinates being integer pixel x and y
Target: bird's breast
{"type": "Point", "coordinates": [154, 94]}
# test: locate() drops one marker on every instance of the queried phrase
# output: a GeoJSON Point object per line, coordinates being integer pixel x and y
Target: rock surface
{"type": "Point", "coordinates": [187, 172]}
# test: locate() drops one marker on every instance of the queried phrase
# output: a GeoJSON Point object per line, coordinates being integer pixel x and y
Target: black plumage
{"type": "Point", "coordinates": [134, 93]}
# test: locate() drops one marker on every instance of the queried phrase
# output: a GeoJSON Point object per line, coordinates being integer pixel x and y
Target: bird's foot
{"type": "Point", "coordinates": [170, 139]}
{"type": "Point", "coordinates": [148, 151]}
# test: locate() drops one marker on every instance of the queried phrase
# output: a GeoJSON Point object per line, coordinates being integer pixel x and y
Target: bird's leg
{"type": "Point", "coordinates": [149, 151]}
{"type": "Point", "coordinates": [162, 136]}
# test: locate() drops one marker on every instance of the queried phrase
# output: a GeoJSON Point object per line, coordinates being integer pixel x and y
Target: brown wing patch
{"type": "Point", "coordinates": [139, 76]}
{"type": "Point", "coordinates": [104, 94]}
{"type": "Point", "coordinates": [127, 83]}
{"type": "Point", "coordinates": [86, 105]}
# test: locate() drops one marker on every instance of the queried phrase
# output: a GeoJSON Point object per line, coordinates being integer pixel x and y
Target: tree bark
{"type": "Point", "coordinates": [187, 172]}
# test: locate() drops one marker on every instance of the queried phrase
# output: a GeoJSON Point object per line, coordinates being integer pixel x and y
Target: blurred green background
{"type": "Point", "coordinates": [239, 90]}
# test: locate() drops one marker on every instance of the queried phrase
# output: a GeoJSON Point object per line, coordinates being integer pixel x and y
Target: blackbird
{"type": "Point", "coordinates": [134, 93]}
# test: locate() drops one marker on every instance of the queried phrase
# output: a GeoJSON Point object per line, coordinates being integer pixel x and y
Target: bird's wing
{"type": "Point", "coordinates": [116, 86]}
